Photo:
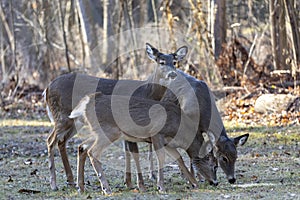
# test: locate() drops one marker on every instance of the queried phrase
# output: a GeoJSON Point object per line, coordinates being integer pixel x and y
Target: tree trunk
{"type": "Point", "coordinates": [62, 17]}
{"type": "Point", "coordinates": [283, 48]}
{"type": "Point", "coordinates": [134, 57]}
{"type": "Point", "coordinates": [217, 25]}
{"type": "Point", "coordinates": [85, 31]}
{"type": "Point", "coordinates": [273, 31]}
{"type": "Point", "coordinates": [293, 29]}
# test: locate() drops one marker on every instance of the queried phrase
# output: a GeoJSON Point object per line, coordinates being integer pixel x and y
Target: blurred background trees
{"type": "Point", "coordinates": [232, 43]}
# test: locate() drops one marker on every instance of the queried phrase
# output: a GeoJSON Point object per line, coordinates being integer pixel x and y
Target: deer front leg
{"type": "Point", "coordinates": [151, 167]}
{"type": "Point", "coordinates": [51, 142]}
{"type": "Point", "coordinates": [103, 139]}
{"type": "Point", "coordinates": [127, 165]}
{"type": "Point", "coordinates": [192, 168]}
{"type": "Point", "coordinates": [176, 155]}
{"type": "Point", "coordinates": [131, 148]}
{"type": "Point", "coordinates": [140, 179]}
{"type": "Point", "coordinates": [97, 165]}
{"type": "Point", "coordinates": [158, 144]}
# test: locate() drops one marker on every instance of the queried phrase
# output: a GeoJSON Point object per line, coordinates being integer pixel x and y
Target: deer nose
{"type": "Point", "coordinates": [232, 180]}
{"type": "Point", "coordinates": [172, 75]}
{"type": "Point", "coordinates": [214, 183]}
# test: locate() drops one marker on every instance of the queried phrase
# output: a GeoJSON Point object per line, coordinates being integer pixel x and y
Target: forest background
{"type": "Point", "coordinates": [240, 48]}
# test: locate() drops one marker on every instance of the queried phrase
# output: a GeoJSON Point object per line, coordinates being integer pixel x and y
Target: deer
{"type": "Point", "coordinates": [225, 148]}
{"type": "Point", "coordinates": [65, 92]}
{"type": "Point", "coordinates": [135, 119]}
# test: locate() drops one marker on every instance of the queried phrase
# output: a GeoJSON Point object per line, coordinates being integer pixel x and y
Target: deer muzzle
{"type": "Point", "coordinates": [172, 75]}
{"type": "Point", "coordinates": [231, 179]}
{"type": "Point", "coordinates": [214, 183]}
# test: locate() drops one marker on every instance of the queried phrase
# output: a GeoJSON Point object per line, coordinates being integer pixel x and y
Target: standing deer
{"type": "Point", "coordinates": [160, 123]}
{"type": "Point", "coordinates": [67, 90]}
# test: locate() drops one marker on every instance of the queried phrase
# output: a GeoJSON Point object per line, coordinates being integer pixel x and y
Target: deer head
{"type": "Point", "coordinates": [166, 62]}
{"type": "Point", "coordinates": [226, 153]}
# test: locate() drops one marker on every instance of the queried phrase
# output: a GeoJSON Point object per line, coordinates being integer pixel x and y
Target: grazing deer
{"type": "Point", "coordinates": [67, 90]}
{"type": "Point", "coordinates": [111, 117]}
{"type": "Point", "coordinates": [210, 119]}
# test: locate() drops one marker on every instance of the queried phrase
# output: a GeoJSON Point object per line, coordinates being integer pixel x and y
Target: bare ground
{"type": "Point", "coordinates": [268, 167]}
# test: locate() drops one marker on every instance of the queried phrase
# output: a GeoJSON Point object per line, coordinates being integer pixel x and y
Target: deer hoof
{"type": "Point", "coordinates": [161, 189]}
{"type": "Point", "coordinates": [128, 185]}
{"type": "Point", "coordinates": [232, 180]}
{"type": "Point", "coordinates": [71, 184]}
{"type": "Point", "coordinates": [54, 188]}
{"type": "Point", "coordinates": [107, 191]}
{"type": "Point", "coordinates": [80, 189]}
{"type": "Point", "coordinates": [195, 186]}
{"type": "Point", "coordinates": [213, 183]}
{"type": "Point", "coordinates": [152, 177]}
{"type": "Point", "coordinates": [142, 188]}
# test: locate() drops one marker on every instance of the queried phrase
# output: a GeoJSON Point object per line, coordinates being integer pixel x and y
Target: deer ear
{"type": "Point", "coordinates": [205, 137]}
{"type": "Point", "coordinates": [211, 137]}
{"type": "Point", "coordinates": [181, 53]}
{"type": "Point", "coordinates": [206, 146]}
{"type": "Point", "coordinates": [241, 140]}
{"type": "Point", "coordinates": [151, 51]}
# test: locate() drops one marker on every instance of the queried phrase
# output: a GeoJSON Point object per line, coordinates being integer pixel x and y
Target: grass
{"type": "Point", "coordinates": [267, 167]}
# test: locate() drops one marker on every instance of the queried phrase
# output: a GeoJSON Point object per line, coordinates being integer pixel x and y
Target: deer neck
{"type": "Point", "coordinates": [154, 88]}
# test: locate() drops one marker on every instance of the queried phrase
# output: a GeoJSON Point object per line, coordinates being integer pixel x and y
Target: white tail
{"type": "Point", "coordinates": [49, 113]}
{"type": "Point", "coordinates": [80, 108]}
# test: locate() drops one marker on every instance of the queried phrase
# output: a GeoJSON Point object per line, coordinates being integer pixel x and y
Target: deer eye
{"type": "Point", "coordinates": [224, 159]}
{"type": "Point", "coordinates": [161, 62]}
{"type": "Point", "coordinates": [174, 62]}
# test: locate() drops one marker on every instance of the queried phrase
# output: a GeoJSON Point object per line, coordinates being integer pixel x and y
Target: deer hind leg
{"type": "Point", "coordinates": [158, 144]}
{"type": "Point", "coordinates": [81, 158]}
{"type": "Point", "coordinates": [51, 142]}
{"type": "Point", "coordinates": [63, 153]}
{"type": "Point", "coordinates": [176, 155]}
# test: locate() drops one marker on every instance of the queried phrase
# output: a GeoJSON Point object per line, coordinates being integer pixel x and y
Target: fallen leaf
{"type": "Point", "coordinates": [254, 178]}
